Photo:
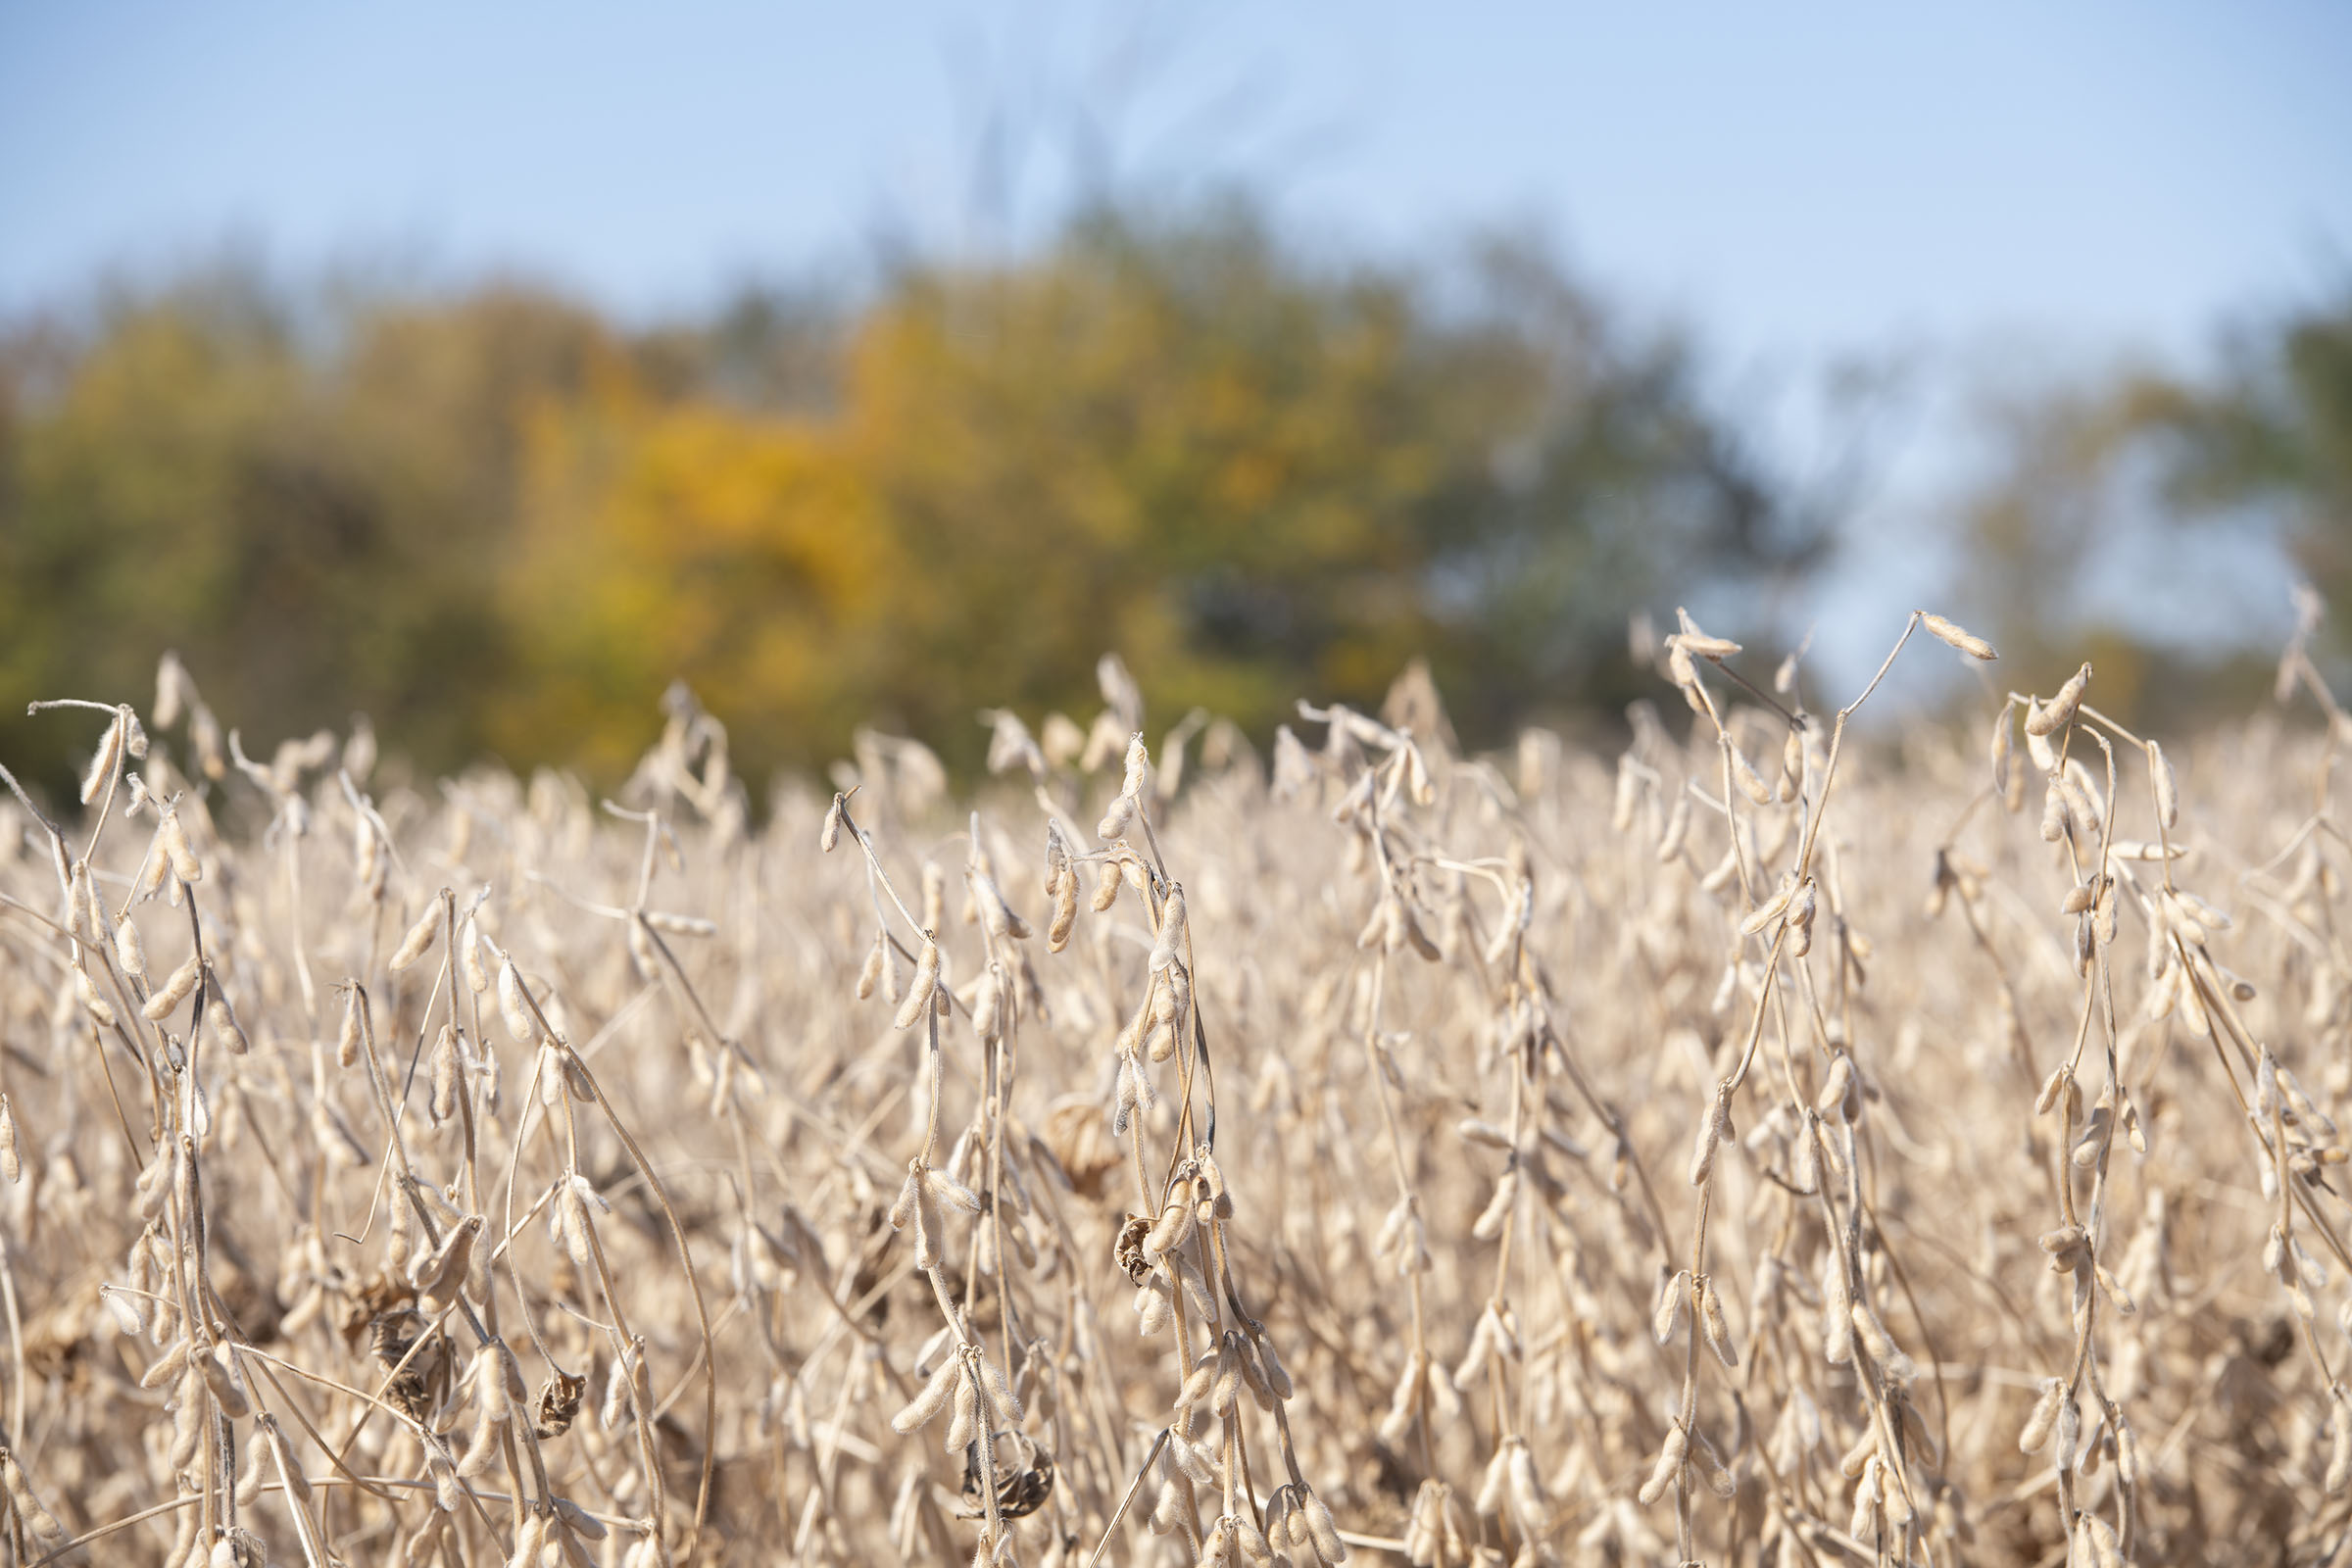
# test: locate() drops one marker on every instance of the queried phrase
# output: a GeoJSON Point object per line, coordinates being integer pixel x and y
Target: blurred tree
{"type": "Point", "coordinates": [767, 349]}
{"type": "Point", "coordinates": [495, 522]}
{"type": "Point", "coordinates": [317, 529]}
{"type": "Point", "coordinates": [2276, 430]}
{"type": "Point", "coordinates": [742, 554]}
{"type": "Point", "coordinates": [1179, 444]}
{"type": "Point", "coordinates": [2104, 471]}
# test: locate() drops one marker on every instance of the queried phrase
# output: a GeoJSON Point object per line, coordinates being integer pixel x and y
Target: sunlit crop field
{"type": "Point", "coordinates": [1783, 1142]}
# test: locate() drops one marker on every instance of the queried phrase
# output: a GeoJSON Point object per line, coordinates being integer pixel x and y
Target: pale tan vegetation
{"type": "Point", "coordinates": [1766, 1145]}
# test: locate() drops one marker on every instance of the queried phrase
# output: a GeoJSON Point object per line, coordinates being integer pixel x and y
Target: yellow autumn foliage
{"type": "Point", "coordinates": [501, 524]}
{"type": "Point", "coordinates": [744, 554]}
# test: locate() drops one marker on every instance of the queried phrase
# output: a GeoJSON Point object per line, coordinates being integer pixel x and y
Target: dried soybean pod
{"type": "Point", "coordinates": [419, 937]}
{"type": "Point", "coordinates": [1956, 637]}
{"type": "Point", "coordinates": [2168, 795]}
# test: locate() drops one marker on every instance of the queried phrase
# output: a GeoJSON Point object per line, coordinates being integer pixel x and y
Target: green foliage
{"type": "Point", "coordinates": [2276, 431]}
{"type": "Point", "coordinates": [2265, 446]}
{"type": "Point", "coordinates": [494, 522]}
{"type": "Point", "coordinates": [309, 527]}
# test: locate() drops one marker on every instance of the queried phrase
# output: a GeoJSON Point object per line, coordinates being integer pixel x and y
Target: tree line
{"type": "Point", "coordinates": [502, 522]}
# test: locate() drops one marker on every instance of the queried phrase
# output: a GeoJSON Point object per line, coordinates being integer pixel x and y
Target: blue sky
{"type": "Point", "coordinates": [1792, 178]}
{"type": "Point", "coordinates": [1981, 186]}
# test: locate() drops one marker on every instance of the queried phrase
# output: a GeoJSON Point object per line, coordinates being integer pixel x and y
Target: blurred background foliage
{"type": "Point", "coordinates": [498, 522]}
{"type": "Point", "coordinates": [2256, 457]}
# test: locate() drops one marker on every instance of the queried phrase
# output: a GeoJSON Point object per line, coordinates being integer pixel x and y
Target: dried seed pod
{"type": "Point", "coordinates": [1321, 1530]}
{"type": "Point", "coordinates": [1671, 1456]}
{"type": "Point", "coordinates": [1065, 910]}
{"type": "Point", "coordinates": [130, 952]}
{"type": "Point", "coordinates": [85, 920]}
{"type": "Point", "coordinates": [995, 912]}
{"type": "Point", "coordinates": [1955, 637]}
{"type": "Point", "coordinates": [1698, 644]}
{"type": "Point", "coordinates": [963, 1421]}
{"type": "Point", "coordinates": [1678, 827]}
{"type": "Point", "coordinates": [2105, 1550]}
{"type": "Point", "coordinates": [1743, 773]}
{"type": "Point", "coordinates": [1717, 1475]}
{"type": "Point", "coordinates": [187, 1418]}
{"type": "Point", "coordinates": [2300, 1104]}
{"type": "Point", "coordinates": [830, 834]}
{"type": "Point", "coordinates": [470, 946]}
{"type": "Point", "coordinates": [1497, 1213]}
{"type": "Point", "coordinates": [448, 1077]}
{"type": "Point", "coordinates": [1474, 1131]}
{"type": "Point", "coordinates": [222, 1380]}
{"type": "Point", "coordinates": [1717, 1328]}
{"type": "Point", "coordinates": [1247, 1539]}
{"type": "Point", "coordinates": [513, 1004]}
{"type": "Point", "coordinates": [1714, 1130]}
{"type": "Point", "coordinates": [346, 1037]}
{"type": "Point", "coordinates": [615, 1402]}
{"type": "Point", "coordinates": [495, 1381]}
{"type": "Point", "coordinates": [99, 1009]}
{"type": "Point", "coordinates": [2059, 711]}
{"type": "Point", "coordinates": [2038, 745]}
{"type": "Point", "coordinates": [1175, 1223]}
{"type": "Point", "coordinates": [926, 983]}
{"type": "Point", "coordinates": [1115, 818]}
{"type": "Point", "coordinates": [574, 1226]}
{"type": "Point", "coordinates": [1891, 1358]}
{"type": "Point", "coordinates": [1171, 931]}
{"type": "Point", "coordinates": [536, 1537]}
{"type": "Point", "coordinates": [2044, 1417]}
{"type": "Point", "coordinates": [1801, 920]}
{"type": "Point", "coordinates": [169, 1366]}
{"type": "Point", "coordinates": [1277, 1377]}
{"type": "Point", "coordinates": [1493, 1484]}
{"type": "Point", "coordinates": [419, 937]}
{"type": "Point", "coordinates": [2055, 819]}
{"type": "Point", "coordinates": [993, 1384]}
{"type": "Point", "coordinates": [1837, 1314]}
{"type": "Point", "coordinates": [440, 1272]}
{"type": "Point", "coordinates": [1679, 667]}
{"type": "Point", "coordinates": [2168, 795]}
{"type": "Point", "coordinates": [1667, 1316]}
{"type": "Point", "coordinates": [184, 864]}
{"type": "Point", "coordinates": [870, 972]}
{"type": "Point", "coordinates": [1402, 1400]}
{"type": "Point", "coordinates": [1106, 886]}
{"type": "Point", "coordinates": [1198, 1463]}
{"type": "Point", "coordinates": [1530, 1508]}
{"type": "Point", "coordinates": [1627, 797]}
{"type": "Point", "coordinates": [1857, 1459]}
{"type": "Point", "coordinates": [175, 990]}
{"type": "Point", "coordinates": [1805, 1171]}
{"type": "Point", "coordinates": [682, 925]}
{"type": "Point", "coordinates": [105, 760]}
{"type": "Point", "coordinates": [1484, 1347]}
{"type": "Point", "coordinates": [1770, 910]}
{"type": "Point", "coordinates": [25, 1504]}
{"type": "Point", "coordinates": [2083, 803]}
{"type": "Point", "coordinates": [1836, 1088]}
